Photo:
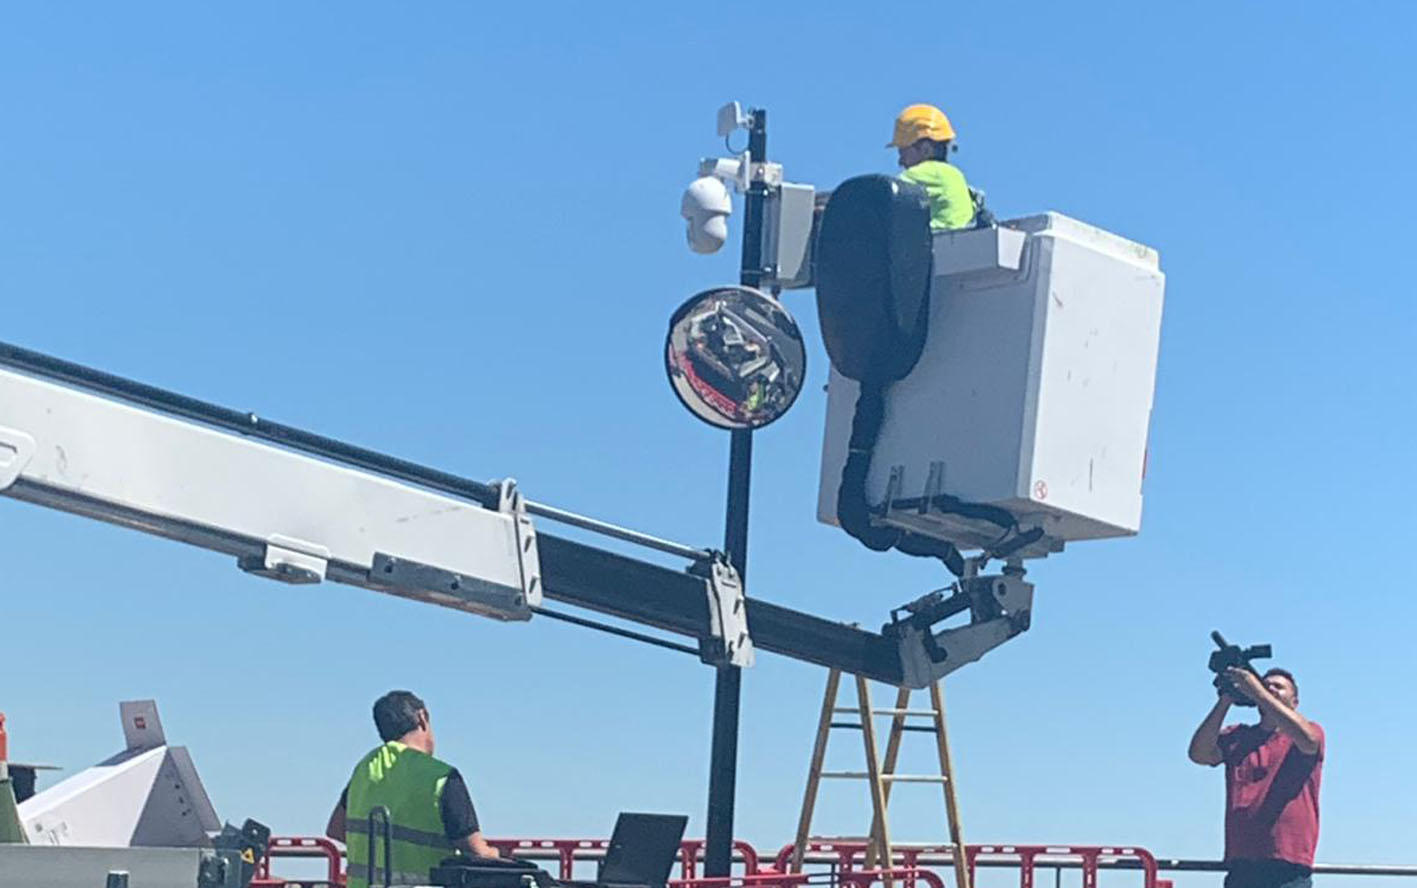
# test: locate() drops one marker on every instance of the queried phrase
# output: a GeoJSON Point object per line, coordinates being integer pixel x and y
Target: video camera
{"type": "Point", "coordinates": [1232, 655]}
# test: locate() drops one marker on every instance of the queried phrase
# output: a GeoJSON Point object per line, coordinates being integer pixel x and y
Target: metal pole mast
{"type": "Point", "coordinates": [723, 765]}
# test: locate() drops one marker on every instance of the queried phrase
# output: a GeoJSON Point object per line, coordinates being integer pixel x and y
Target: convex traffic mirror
{"type": "Point", "coordinates": [735, 357]}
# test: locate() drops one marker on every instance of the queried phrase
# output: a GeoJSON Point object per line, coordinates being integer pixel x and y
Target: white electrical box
{"type": "Point", "coordinates": [1033, 393]}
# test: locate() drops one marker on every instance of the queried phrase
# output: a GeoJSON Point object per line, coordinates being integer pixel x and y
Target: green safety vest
{"type": "Point", "coordinates": [410, 784]}
{"type": "Point", "coordinates": [951, 205]}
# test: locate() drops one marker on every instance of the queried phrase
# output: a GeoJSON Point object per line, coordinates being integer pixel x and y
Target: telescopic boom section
{"type": "Point", "coordinates": [283, 514]}
{"type": "Point", "coordinates": [298, 507]}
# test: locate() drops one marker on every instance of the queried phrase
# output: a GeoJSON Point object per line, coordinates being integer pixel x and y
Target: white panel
{"type": "Point", "coordinates": [151, 799]}
{"type": "Point", "coordinates": [796, 210]}
{"type": "Point", "coordinates": [1095, 385]}
{"type": "Point", "coordinates": [181, 479]}
{"type": "Point", "coordinates": [142, 728]}
{"type": "Point", "coordinates": [177, 813]}
{"type": "Point", "coordinates": [194, 791]}
{"type": "Point", "coordinates": [148, 795]}
{"type": "Point", "coordinates": [98, 807]}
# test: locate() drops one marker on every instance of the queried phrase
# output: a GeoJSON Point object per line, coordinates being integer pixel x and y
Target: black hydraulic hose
{"type": "Point", "coordinates": [955, 506]}
{"type": "Point", "coordinates": [852, 508]}
{"type": "Point", "coordinates": [928, 547]}
{"type": "Point", "coordinates": [1026, 538]}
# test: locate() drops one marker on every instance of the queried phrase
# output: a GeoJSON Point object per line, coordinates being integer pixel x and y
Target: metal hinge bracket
{"type": "Point", "coordinates": [729, 643]}
{"type": "Point", "coordinates": [288, 560]}
{"type": "Point", "coordinates": [511, 503]}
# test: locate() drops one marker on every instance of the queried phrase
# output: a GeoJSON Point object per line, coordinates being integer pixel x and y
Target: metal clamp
{"type": "Point", "coordinates": [729, 643]}
{"type": "Point", "coordinates": [288, 560]}
{"type": "Point", "coordinates": [511, 503]}
{"type": "Point", "coordinates": [769, 174]}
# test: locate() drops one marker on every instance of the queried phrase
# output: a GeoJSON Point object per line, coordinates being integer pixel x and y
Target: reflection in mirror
{"type": "Point", "coordinates": [735, 357]}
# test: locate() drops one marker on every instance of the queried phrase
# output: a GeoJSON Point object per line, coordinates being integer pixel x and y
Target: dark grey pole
{"type": "Point", "coordinates": [723, 763]}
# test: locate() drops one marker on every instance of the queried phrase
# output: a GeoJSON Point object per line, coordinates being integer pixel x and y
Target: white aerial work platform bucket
{"type": "Point", "coordinates": [1033, 392]}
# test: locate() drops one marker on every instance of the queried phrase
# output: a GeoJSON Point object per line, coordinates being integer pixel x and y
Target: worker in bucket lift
{"type": "Point", "coordinates": [430, 811]}
{"type": "Point", "coordinates": [924, 137]}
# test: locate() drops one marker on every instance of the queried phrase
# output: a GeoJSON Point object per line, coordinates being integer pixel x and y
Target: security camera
{"type": "Point", "coordinates": [706, 207]}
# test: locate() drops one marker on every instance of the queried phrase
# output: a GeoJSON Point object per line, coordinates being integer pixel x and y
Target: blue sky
{"type": "Point", "coordinates": [450, 232]}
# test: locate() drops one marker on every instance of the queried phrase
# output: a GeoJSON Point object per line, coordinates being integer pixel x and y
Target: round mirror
{"type": "Point", "coordinates": [735, 357]}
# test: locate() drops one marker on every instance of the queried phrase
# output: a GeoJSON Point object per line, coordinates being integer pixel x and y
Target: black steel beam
{"type": "Point", "coordinates": [803, 636]}
{"type": "Point", "coordinates": [584, 576]}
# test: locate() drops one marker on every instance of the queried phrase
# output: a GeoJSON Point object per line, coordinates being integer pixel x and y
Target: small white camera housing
{"type": "Point", "coordinates": [706, 207]}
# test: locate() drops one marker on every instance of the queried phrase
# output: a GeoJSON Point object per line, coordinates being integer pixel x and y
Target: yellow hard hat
{"type": "Point", "coordinates": [921, 122]}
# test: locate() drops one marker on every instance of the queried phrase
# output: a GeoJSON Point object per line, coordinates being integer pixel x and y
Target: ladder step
{"type": "Point", "coordinates": [856, 726]}
{"type": "Point", "coordinates": [923, 713]}
{"type": "Point", "coordinates": [895, 778]}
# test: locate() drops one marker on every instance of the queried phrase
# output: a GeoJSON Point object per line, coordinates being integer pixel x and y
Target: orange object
{"type": "Point", "coordinates": [921, 122]}
{"type": "Point", "coordinates": [4, 740]}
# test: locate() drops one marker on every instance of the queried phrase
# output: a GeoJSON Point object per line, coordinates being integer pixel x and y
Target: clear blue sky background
{"type": "Point", "coordinates": [450, 232]}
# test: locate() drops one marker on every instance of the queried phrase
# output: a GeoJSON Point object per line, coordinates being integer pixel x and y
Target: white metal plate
{"type": "Point", "coordinates": [183, 480]}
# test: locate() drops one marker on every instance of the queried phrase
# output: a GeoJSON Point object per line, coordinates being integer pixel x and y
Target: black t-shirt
{"type": "Point", "coordinates": [459, 817]}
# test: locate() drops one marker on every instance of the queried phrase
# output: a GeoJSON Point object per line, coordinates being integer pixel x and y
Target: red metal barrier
{"type": "Point", "coordinates": [564, 851]}
{"type": "Point", "coordinates": [567, 851]}
{"type": "Point", "coordinates": [1089, 855]}
{"type": "Point", "coordinates": [913, 860]}
{"type": "Point", "coordinates": [1027, 856]}
{"type": "Point", "coordinates": [908, 876]}
{"type": "Point", "coordinates": [690, 851]}
{"type": "Point", "coordinates": [300, 846]}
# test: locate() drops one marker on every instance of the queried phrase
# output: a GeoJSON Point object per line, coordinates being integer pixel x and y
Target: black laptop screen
{"type": "Point", "coordinates": [643, 848]}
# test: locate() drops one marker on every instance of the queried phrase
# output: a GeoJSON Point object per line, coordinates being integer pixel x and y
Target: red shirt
{"type": "Point", "coordinates": [1271, 795]}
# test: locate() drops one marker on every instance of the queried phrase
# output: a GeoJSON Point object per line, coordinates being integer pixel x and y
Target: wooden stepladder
{"type": "Point", "coordinates": [880, 774]}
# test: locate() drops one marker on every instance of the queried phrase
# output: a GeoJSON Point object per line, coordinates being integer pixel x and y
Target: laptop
{"type": "Point", "coordinates": [641, 853]}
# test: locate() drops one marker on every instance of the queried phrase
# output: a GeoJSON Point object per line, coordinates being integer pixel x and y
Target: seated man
{"type": "Point", "coordinates": [430, 812]}
{"type": "Point", "coordinates": [923, 135]}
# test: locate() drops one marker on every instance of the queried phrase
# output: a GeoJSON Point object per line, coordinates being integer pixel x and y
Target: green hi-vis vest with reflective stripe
{"type": "Point", "coordinates": [951, 205]}
{"type": "Point", "coordinates": [410, 784]}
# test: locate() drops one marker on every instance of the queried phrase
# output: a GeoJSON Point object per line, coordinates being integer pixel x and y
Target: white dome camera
{"type": "Point", "coordinates": [706, 207]}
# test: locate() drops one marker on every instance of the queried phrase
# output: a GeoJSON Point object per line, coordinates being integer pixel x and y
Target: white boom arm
{"type": "Point", "coordinates": [299, 507]}
{"type": "Point", "coordinates": [283, 514]}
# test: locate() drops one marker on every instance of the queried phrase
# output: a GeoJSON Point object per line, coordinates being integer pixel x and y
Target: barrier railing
{"type": "Point", "coordinates": [907, 876]}
{"type": "Point", "coordinates": [301, 847]}
{"type": "Point", "coordinates": [567, 851]}
{"type": "Point", "coordinates": [564, 852]}
{"type": "Point", "coordinates": [843, 856]}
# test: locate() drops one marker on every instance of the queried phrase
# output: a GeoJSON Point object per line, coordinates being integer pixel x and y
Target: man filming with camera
{"type": "Point", "coordinates": [1272, 774]}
